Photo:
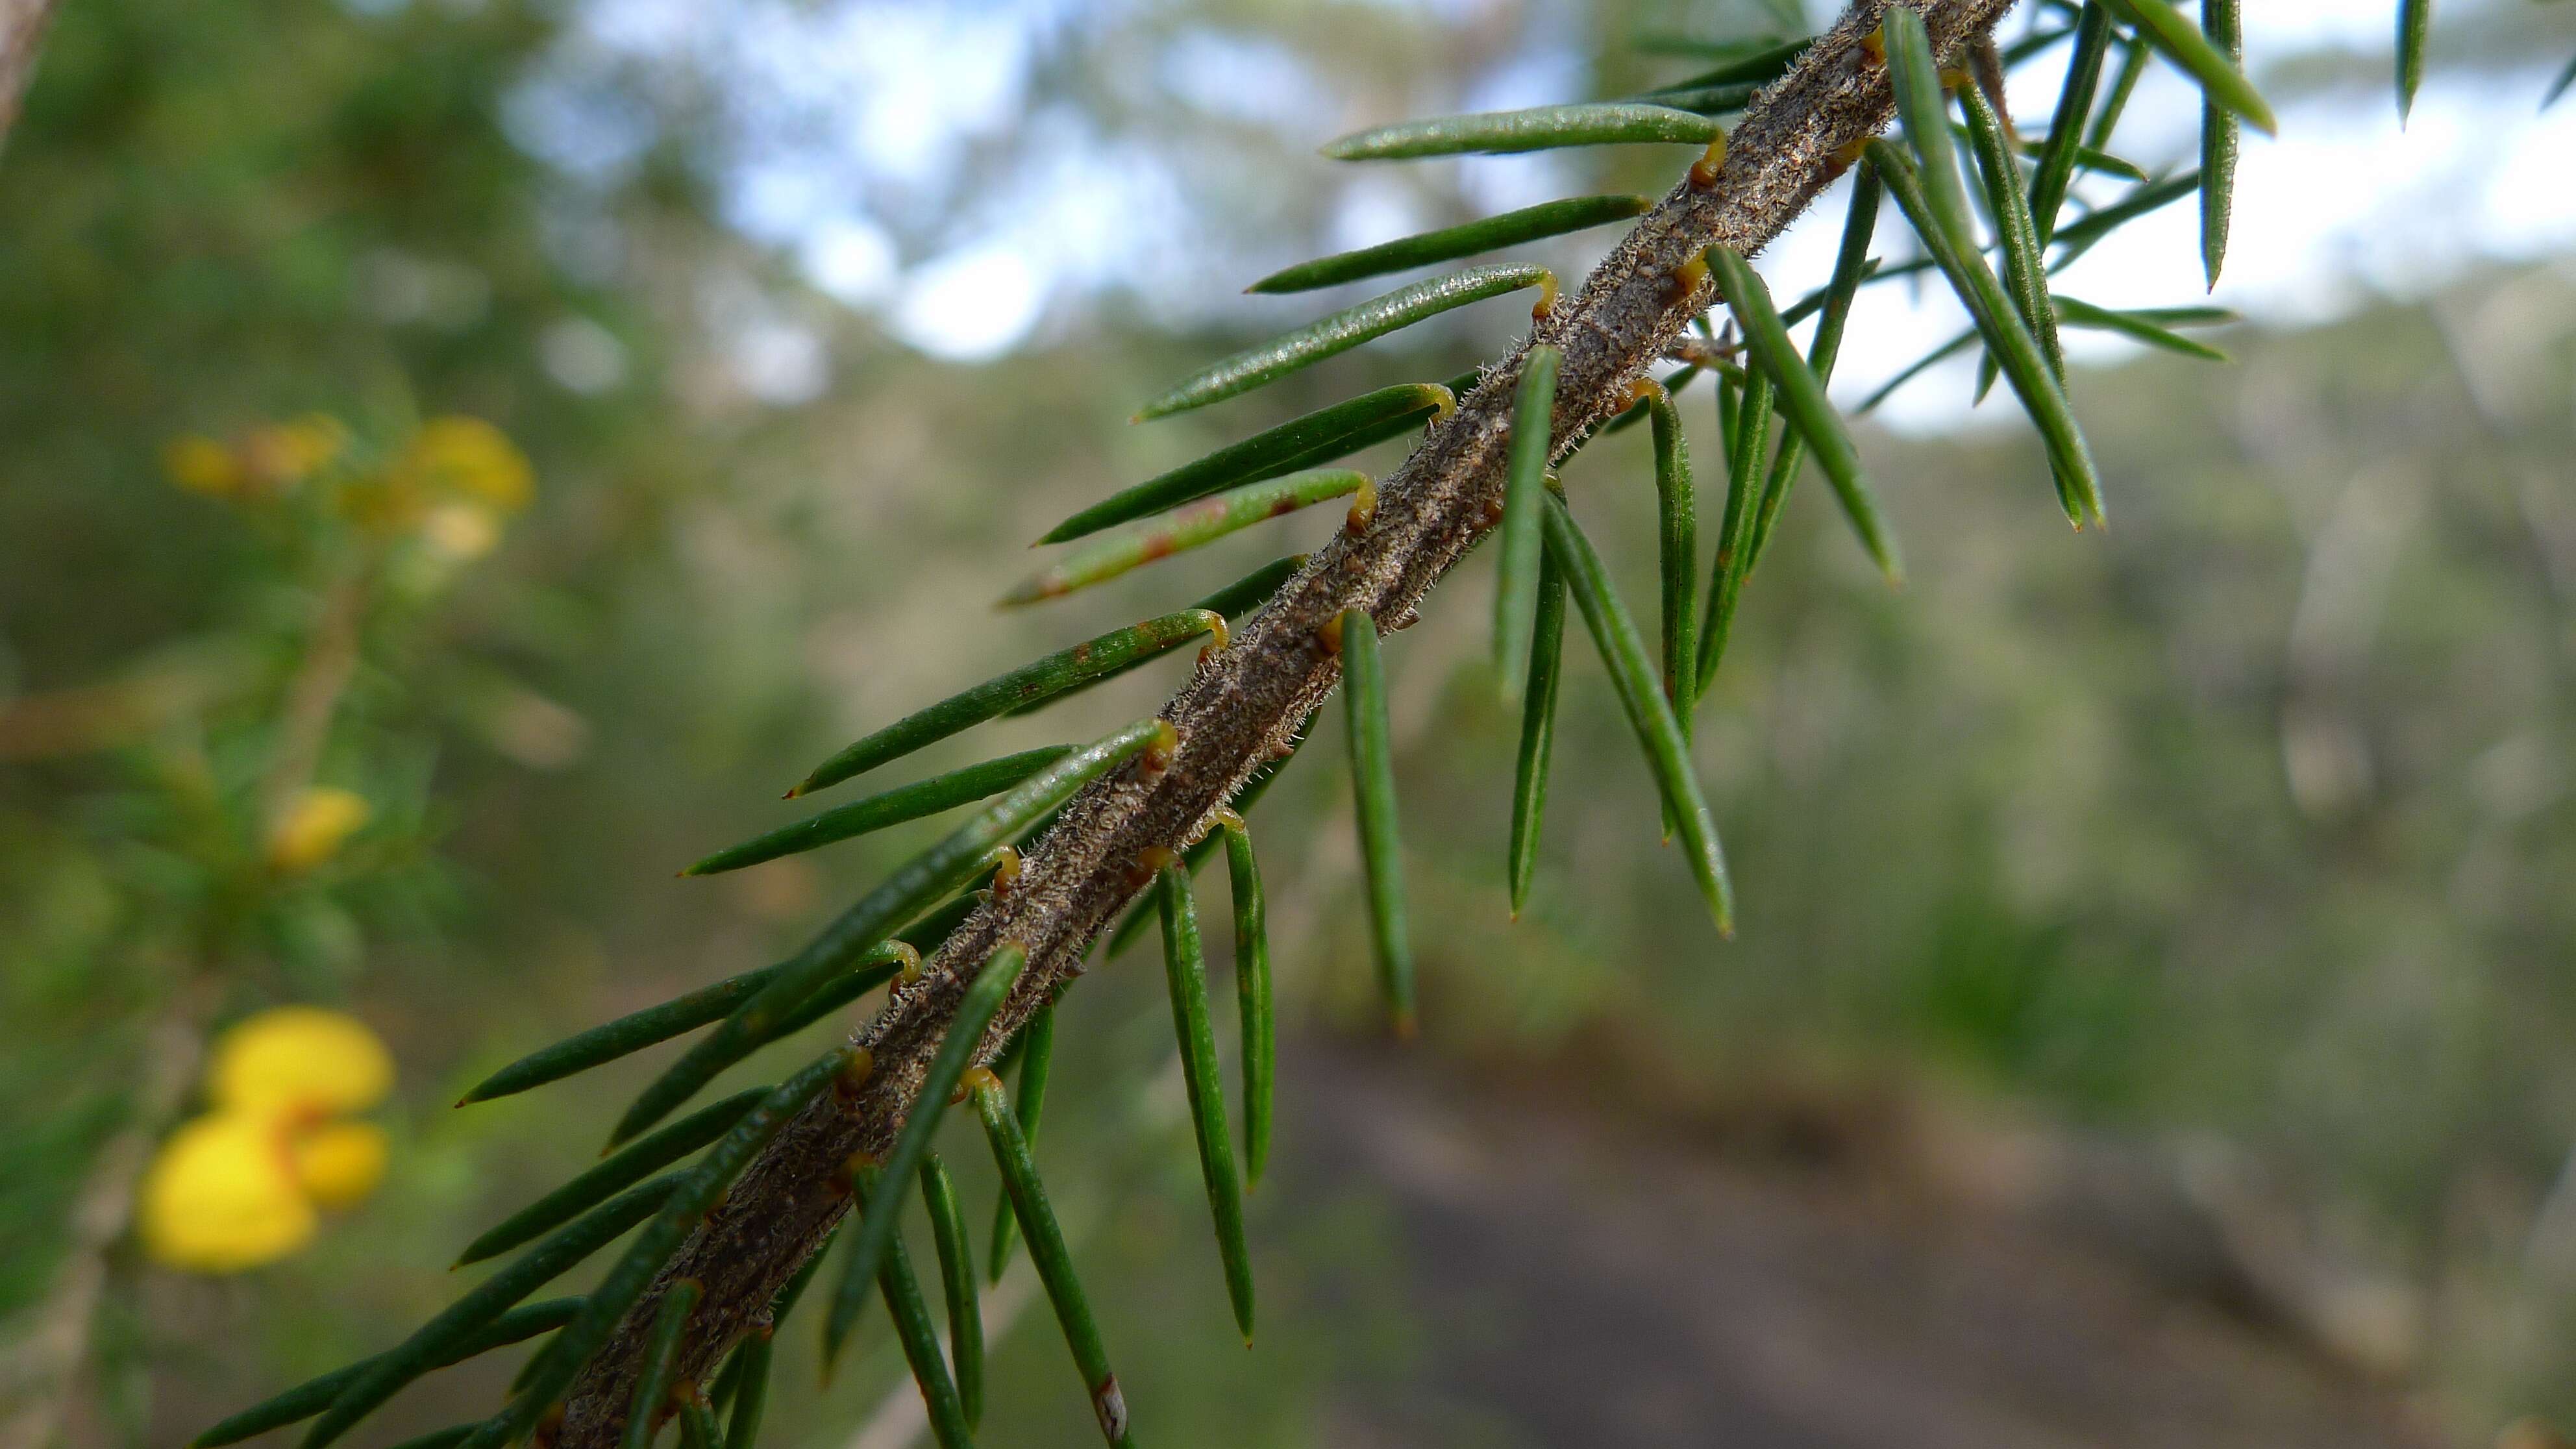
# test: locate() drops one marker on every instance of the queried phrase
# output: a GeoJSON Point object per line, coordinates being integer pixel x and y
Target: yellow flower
{"type": "Point", "coordinates": [470, 457]}
{"type": "Point", "coordinates": [239, 1186]}
{"type": "Point", "coordinates": [315, 826]}
{"type": "Point", "coordinates": [301, 1062]}
{"type": "Point", "coordinates": [285, 453]}
{"type": "Point", "coordinates": [221, 1197]}
{"type": "Point", "coordinates": [339, 1164]}
{"type": "Point", "coordinates": [461, 531]}
{"type": "Point", "coordinates": [202, 465]}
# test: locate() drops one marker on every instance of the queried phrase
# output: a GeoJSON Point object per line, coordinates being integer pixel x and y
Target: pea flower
{"type": "Point", "coordinates": [314, 827]}
{"type": "Point", "coordinates": [245, 1184]}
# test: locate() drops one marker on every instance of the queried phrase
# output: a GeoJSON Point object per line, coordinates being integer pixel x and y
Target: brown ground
{"type": "Point", "coordinates": [1603, 1286]}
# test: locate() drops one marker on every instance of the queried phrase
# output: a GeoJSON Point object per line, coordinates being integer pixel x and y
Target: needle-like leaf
{"type": "Point", "coordinates": [1541, 128]}
{"type": "Point", "coordinates": [2560, 85]}
{"type": "Point", "coordinates": [1925, 111]}
{"type": "Point", "coordinates": [698, 1425]}
{"type": "Point", "coordinates": [1530, 223]}
{"type": "Point", "coordinates": [683, 1208]}
{"type": "Point", "coordinates": [2079, 235]}
{"type": "Point", "coordinates": [1852, 268]}
{"type": "Point", "coordinates": [2070, 461]}
{"type": "Point", "coordinates": [2144, 327]}
{"type": "Point", "coordinates": [1252, 996]}
{"type": "Point", "coordinates": [2178, 40]}
{"type": "Point", "coordinates": [1632, 675]}
{"type": "Point", "coordinates": [1538, 730]}
{"type": "Point", "coordinates": [865, 926]}
{"type": "Point", "coordinates": [946, 1408]}
{"type": "Point", "coordinates": [1188, 527]}
{"type": "Point", "coordinates": [877, 812]}
{"type": "Point", "coordinates": [1756, 66]}
{"type": "Point", "coordinates": [751, 1400]}
{"type": "Point", "coordinates": [1749, 435]}
{"type": "Point", "coordinates": [444, 1337]}
{"type": "Point", "coordinates": [2220, 20]}
{"type": "Point", "coordinates": [1236, 602]}
{"type": "Point", "coordinates": [957, 1284]}
{"type": "Point", "coordinates": [1037, 1056]}
{"type": "Point", "coordinates": [1373, 790]}
{"type": "Point", "coordinates": [661, 1352]}
{"type": "Point", "coordinates": [1803, 401]}
{"type": "Point", "coordinates": [2025, 267]}
{"type": "Point", "coordinates": [1677, 554]}
{"type": "Point", "coordinates": [1143, 915]}
{"type": "Point", "coordinates": [316, 1394]}
{"type": "Point", "coordinates": [632, 1164]}
{"type": "Point", "coordinates": [1057, 673]}
{"type": "Point", "coordinates": [2066, 129]}
{"type": "Point", "coordinates": [1047, 1250]}
{"type": "Point", "coordinates": [1185, 974]}
{"type": "Point", "coordinates": [447, 1438]}
{"type": "Point", "coordinates": [1343, 331]}
{"type": "Point", "coordinates": [2134, 55]}
{"type": "Point", "coordinates": [1524, 486]}
{"type": "Point", "coordinates": [984, 996]}
{"type": "Point", "coordinates": [1915, 369]}
{"type": "Point", "coordinates": [1317, 437]}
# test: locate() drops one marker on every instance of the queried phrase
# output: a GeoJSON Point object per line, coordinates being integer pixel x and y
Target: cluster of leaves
{"type": "Point", "coordinates": [1773, 415]}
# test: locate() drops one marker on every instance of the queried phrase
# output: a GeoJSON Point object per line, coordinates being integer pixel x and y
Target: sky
{"type": "Point", "coordinates": [866, 112]}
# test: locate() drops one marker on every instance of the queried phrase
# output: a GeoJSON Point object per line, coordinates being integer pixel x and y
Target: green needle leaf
{"type": "Point", "coordinates": [1189, 527]}
{"type": "Point", "coordinates": [627, 1034]}
{"type": "Point", "coordinates": [1252, 997]}
{"type": "Point", "coordinates": [957, 1284]}
{"type": "Point", "coordinates": [877, 812]}
{"type": "Point", "coordinates": [1037, 1055]}
{"type": "Point", "coordinates": [1144, 914]}
{"type": "Point", "coordinates": [1747, 431]}
{"type": "Point", "coordinates": [912, 1327]}
{"type": "Point", "coordinates": [1343, 331]}
{"type": "Point", "coordinates": [1803, 401]}
{"type": "Point", "coordinates": [1538, 730]}
{"type": "Point", "coordinates": [1185, 973]}
{"type": "Point", "coordinates": [1057, 673]}
{"type": "Point", "coordinates": [631, 1165]}
{"type": "Point", "coordinates": [1852, 268]}
{"type": "Point", "coordinates": [1542, 128]}
{"type": "Point", "coordinates": [1926, 113]}
{"type": "Point", "coordinates": [444, 1337]}
{"type": "Point", "coordinates": [687, 1203]}
{"type": "Point", "coordinates": [1530, 223]}
{"type": "Point", "coordinates": [2066, 129]}
{"type": "Point", "coordinates": [2143, 327]}
{"type": "Point", "coordinates": [1524, 486]}
{"type": "Point", "coordinates": [2080, 234]}
{"type": "Point", "coordinates": [1373, 786]}
{"type": "Point", "coordinates": [984, 996]}
{"type": "Point", "coordinates": [1318, 437]}
{"type": "Point", "coordinates": [1917, 368]}
{"type": "Point", "coordinates": [314, 1395]}
{"type": "Point", "coordinates": [751, 1401]}
{"type": "Point", "coordinates": [1755, 67]}
{"type": "Point", "coordinates": [1054, 1263]}
{"type": "Point", "coordinates": [1658, 733]}
{"type": "Point", "coordinates": [865, 926]}
{"type": "Point", "coordinates": [2025, 268]}
{"type": "Point", "coordinates": [1677, 540]}
{"type": "Point", "coordinates": [698, 1426]}
{"type": "Point", "coordinates": [1236, 601]}
{"type": "Point", "coordinates": [447, 1438]}
{"type": "Point", "coordinates": [653, 1381]}
{"type": "Point", "coordinates": [2218, 134]}
{"type": "Point", "coordinates": [2181, 42]}
{"type": "Point", "coordinates": [2558, 87]}
{"type": "Point", "coordinates": [2134, 55]}
{"type": "Point", "coordinates": [2070, 461]}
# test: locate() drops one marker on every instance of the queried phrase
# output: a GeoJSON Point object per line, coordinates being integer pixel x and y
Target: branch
{"type": "Point", "coordinates": [1245, 704]}
{"type": "Point", "coordinates": [22, 35]}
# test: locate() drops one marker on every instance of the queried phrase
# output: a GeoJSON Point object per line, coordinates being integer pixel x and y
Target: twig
{"type": "Point", "coordinates": [22, 35]}
{"type": "Point", "coordinates": [1244, 704]}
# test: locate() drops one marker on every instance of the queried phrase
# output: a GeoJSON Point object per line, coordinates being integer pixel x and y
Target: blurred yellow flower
{"type": "Point", "coordinates": [202, 465]}
{"type": "Point", "coordinates": [469, 457]}
{"type": "Point", "coordinates": [284, 453]}
{"type": "Point", "coordinates": [461, 531]}
{"type": "Point", "coordinates": [221, 1198]}
{"type": "Point", "coordinates": [299, 1061]}
{"type": "Point", "coordinates": [340, 1163]}
{"type": "Point", "coordinates": [239, 1186]}
{"type": "Point", "coordinates": [315, 826]}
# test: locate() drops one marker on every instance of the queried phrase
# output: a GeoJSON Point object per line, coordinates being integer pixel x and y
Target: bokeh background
{"type": "Point", "coordinates": [2153, 1019]}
